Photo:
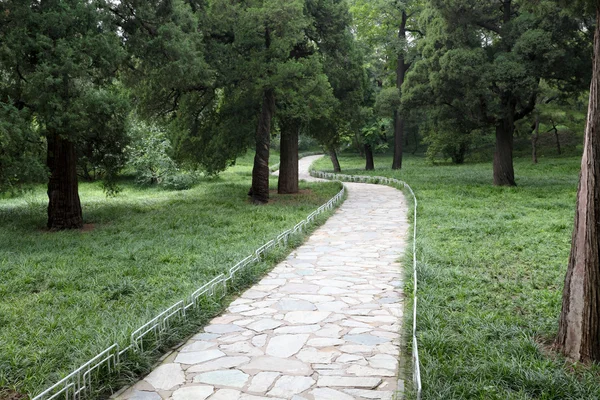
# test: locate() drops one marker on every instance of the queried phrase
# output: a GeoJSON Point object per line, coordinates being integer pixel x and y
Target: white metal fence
{"type": "Point", "coordinates": [78, 384]}
{"type": "Point", "coordinates": [392, 181]}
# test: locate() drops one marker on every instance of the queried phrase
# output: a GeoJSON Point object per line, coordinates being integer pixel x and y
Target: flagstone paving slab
{"type": "Point", "coordinates": [324, 324]}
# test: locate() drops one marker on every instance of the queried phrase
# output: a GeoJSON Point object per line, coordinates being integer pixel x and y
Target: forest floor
{"type": "Point", "coordinates": [491, 265]}
{"type": "Point", "coordinates": [65, 296]}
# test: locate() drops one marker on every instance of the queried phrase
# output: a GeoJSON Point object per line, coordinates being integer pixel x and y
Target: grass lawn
{"type": "Point", "coordinates": [492, 261]}
{"type": "Point", "coordinates": [66, 296]}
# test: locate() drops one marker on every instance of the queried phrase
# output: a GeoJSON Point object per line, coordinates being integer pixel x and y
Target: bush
{"type": "Point", "coordinates": [180, 181]}
{"type": "Point", "coordinates": [148, 154]}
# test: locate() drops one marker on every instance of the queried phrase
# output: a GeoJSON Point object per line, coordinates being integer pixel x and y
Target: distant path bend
{"type": "Point", "coordinates": [324, 324]}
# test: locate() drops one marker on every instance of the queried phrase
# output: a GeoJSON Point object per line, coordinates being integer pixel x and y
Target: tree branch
{"type": "Point", "coordinates": [489, 26]}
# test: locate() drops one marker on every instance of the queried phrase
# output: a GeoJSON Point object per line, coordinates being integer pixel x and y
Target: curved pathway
{"type": "Point", "coordinates": [324, 324]}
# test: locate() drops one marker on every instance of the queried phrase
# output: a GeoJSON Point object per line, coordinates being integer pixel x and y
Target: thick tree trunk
{"type": "Point", "coordinates": [504, 173]}
{"type": "Point", "coordinates": [579, 327]}
{"type": "Point", "coordinates": [370, 166]}
{"type": "Point", "coordinates": [335, 161]}
{"type": "Point", "coordinates": [534, 140]}
{"type": "Point", "coordinates": [260, 171]}
{"type": "Point", "coordinates": [401, 68]}
{"type": "Point", "coordinates": [288, 158]}
{"type": "Point", "coordinates": [64, 207]}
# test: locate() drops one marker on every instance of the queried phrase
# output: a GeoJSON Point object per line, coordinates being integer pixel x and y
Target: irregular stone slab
{"type": "Point", "coordinates": [266, 363]}
{"type": "Point", "coordinates": [197, 357]}
{"type": "Point", "coordinates": [295, 305]}
{"type": "Point", "coordinates": [166, 376]}
{"type": "Point", "coordinates": [297, 329]}
{"type": "Point", "coordinates": [206, 336]}
{"type": "Point", "coordinates": [226, 394]}
{"type": "Point", "coordinates": [311, 355]}
{"type": "Point", "coordinates": [361, 370]}
{"type": "Point", "coordinates": [287, 386]}
{"type": "Point", "coordinates": [305, 317]}
{"type": "Point", "coordinates": [253, 397]}
{"type": "Point", "coordinates": [259, 341]}
{"type": "Point", "coordinates": [384, 361]}
{"type": "Point", "coordinates": [286, 345]}
{"type": "Point", "coordinates": [368, 340]}
{"type": "Point", "coordinates": [220, 363]}
{"type": "Point", "coordinates": [325, 342]}
{"type": "Point", "coordinates": [262, 382]}
{"type": "Point", "coordinates": [265, 324]}
{"type": "Point", "coordinates": [329, 394]}
{"type": "Point", "coordinates": [299, 288]}
{"type": "Point", "coordinates": [335, 306]}
{"type": "Point", "coordinates": [228, 328]}
{"type": "Point", "coordinates": [192, 393]}
{"type": "Point", "coordinates": [346, 381]}
{"type": "Point", "coordinates": [371, 394]}
{"type": "Point", "coordinates": [198, 346]}
{"type": "Point", "coordinates": [242, 348]}
{"type": "Point", "coordinates": [228, 377]}
{"type": "Point", "coordinates": [143, 395]}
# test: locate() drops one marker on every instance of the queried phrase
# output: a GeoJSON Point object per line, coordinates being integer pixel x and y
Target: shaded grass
{"type": "Point", "coordinates": [65, 296]}
{"type": "Point", "coordinates": [491, 267]}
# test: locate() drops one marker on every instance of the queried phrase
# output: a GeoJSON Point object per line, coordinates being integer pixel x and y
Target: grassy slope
{"type": "Point", "coordinates": [492, 264]}
{"type": "Point", "coordinates": [65, 296]}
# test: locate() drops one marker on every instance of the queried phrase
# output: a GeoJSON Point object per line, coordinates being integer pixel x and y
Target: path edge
{"type": "Point", "coordinates": [397, 184]}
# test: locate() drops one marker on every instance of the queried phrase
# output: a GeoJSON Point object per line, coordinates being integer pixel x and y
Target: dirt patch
{"type": "Point", "coordinates": [275, 198]}
{"type": "Point", "coordinates": [88, 227]}
{"type": "Point", "coordinates": [8, 394]}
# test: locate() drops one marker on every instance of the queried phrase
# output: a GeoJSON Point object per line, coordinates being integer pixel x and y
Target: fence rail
{"type": "Point", "coordinates": [78, 384]}
{"type": "Point", "coordinates": [391, 181]}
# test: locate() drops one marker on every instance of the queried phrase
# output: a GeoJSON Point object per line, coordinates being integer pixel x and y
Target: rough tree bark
{"type": "Point", "coordinates": [401, 68]}
{"type": "Point", "coordinates": [334, 161]}
{"type": "Point", "coordinates": [557, 139]}
{"type": "Point", "coordinates": [288, 157]}
{"type": "Point", "coordinates": [579, 327]}
{"type": "Point", "coordinates": [504, 173]}
{"type": "Point", "coordinates": [370, 166]}
{"type": "Point", "coordinates": [64, 206]}
{"type": "Point", "coordinates": [260, 172]}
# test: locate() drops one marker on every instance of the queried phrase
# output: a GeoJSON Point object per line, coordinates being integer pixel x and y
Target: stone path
{"type": "Point", "coordinates": [324, 324]}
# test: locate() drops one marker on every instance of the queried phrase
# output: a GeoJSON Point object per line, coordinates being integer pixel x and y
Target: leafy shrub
{"type": "Point", "coordinates": [180, 181]}
{"type": "Point", "coordinates": [149, 154]}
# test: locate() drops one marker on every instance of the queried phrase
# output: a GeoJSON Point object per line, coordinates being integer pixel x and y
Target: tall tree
{"type": "Point", "coordinates": [483, 61]}
{"type": "Point", "coordinates": [58, 60]}
{"type": "Point", "coordinates": [388, 30]}
{"type": "Point", "coordinates": [579, 325]}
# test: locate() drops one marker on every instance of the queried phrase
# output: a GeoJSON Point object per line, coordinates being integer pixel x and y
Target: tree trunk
{"type": "Point", "coordinates": [534, 140]}
{"type": "Point", "coordinates": [260, 171]}
{"type": "Point", "coordinates": [557, 138]}
{"type": "Point", "coordinates": [335, 161]}
{"type": "Point", "coordinates": [288, 158]}
{"type": "Point", "coordinates": [398, 120]}
{"type": "Point", "coordinates": [579, 326]}
{"type": "Point", "coordinates": [369, 154]}
{"type": "Point", "coordinates": [504, 174]}
{"type": "Point", "coordinates": [64, 206]}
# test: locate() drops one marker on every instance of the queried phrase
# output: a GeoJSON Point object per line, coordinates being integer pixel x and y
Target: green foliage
{"type": "Point", "coordinates": [479, 67]}
{"type": "Point", "coordinates": [149, 154]}
{"type": "Point", "coordinates": [58, 61]}
{"type": "Point", "coordinates": [21, 149]}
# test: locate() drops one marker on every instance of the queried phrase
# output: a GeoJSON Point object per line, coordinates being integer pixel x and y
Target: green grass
{"type": "Point", "coordinates": [491, 267]}
{"type": "Point", "coordinates": [65, 296]}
